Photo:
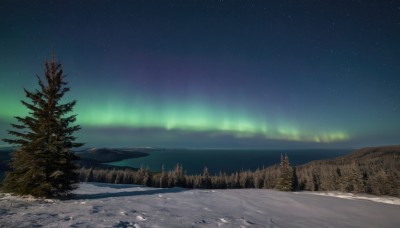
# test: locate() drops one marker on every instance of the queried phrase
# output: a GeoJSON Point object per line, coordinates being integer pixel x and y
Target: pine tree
{"type": "Point", "coordinates": [354, 181]}
{"type": "Point", "coordinates": [285, 178]}
{"type": "Point", "coordinates": [205, 180]}
{"type": "Point", "coordinates": [163, 178]}
{"type": "Point", "coordinates": [89, 176]}
{"type": "Point", "coordinates": [43, 164]}
{"type": "Point", "coordinates": [179, 176]}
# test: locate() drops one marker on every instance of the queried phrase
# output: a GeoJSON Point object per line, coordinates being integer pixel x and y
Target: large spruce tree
{"type": "Point", "coordinates": [43, 164]}
{"type": "Point", "coordinates": [285, 178]}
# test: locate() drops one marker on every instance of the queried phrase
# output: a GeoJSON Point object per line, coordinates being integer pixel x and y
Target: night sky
{"type": "Point", "coordinates": [212, 74]}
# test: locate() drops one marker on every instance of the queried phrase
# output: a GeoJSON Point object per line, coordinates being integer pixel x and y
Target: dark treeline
{"type": "Point", "coordinates": [371, 170]}
{"type": "Point", "coordinates": [263, 178]}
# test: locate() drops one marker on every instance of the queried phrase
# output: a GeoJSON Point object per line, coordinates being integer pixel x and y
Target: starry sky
{"type": "Point", "coordinates": [212, 74]}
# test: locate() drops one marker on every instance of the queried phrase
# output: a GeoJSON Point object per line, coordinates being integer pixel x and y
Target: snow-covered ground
{"type": "Point", "coordinates": [107, 205]}
{"type": "Point", "coordinates": [351, 196]}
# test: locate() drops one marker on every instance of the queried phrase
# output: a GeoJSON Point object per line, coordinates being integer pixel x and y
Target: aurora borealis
{"type": "Point", "coordinates": [212, 74]}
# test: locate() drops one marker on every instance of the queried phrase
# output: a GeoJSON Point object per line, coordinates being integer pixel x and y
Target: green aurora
{"type": "Point", "coordinates": [191, 116]}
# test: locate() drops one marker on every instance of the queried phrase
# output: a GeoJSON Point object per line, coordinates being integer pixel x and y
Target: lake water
{"type": "Point", "coordinates": [194, 161]}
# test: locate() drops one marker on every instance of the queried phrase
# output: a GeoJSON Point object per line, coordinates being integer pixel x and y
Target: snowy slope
{"type": "Point", "coordinates": [107, 205]}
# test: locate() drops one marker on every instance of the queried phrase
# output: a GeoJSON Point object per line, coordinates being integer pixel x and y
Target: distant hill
{"type": "Point", "coordinates": [95, 157]}
{"type": "Point", "coordinates": [105, 155]}
{"type": "Point", "coordinates": [374, 170]}
{"type": "Point", "coordinates": [89, 157]}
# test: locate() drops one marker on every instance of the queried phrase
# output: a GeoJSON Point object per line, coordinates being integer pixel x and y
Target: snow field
{"type": "Point", "coordinates": [108, 205]}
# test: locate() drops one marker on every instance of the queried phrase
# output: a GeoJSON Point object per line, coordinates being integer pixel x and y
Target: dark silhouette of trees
{"type": "Point", "coordinates": [43, 164]}
{"type": "Point", "coordinates": [374, 171]}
